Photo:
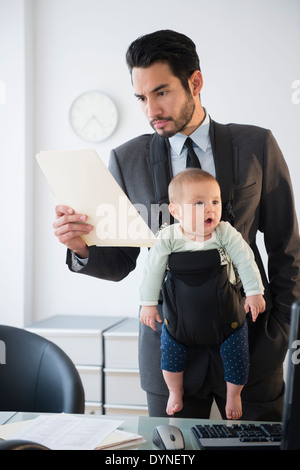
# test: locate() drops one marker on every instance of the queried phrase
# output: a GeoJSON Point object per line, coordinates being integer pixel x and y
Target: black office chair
{"type": "Point", "coordinates": [18, 444]}
{"type": "Point", "coordinates": [37, 376]}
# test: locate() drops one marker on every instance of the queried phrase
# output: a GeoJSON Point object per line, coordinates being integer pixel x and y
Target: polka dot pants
{"type": "Point", "coordinates": [235, 355]}
{"type": "Point", "coordinates": [234, 352]}
{"type": "Point", "coordinates": [173, 358]}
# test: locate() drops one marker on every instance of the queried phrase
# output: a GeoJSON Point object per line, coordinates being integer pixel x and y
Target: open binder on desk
{"type": "Point", "coordinates": [79, 179]}
{"type": "Point", "coordinates": [69, 432]}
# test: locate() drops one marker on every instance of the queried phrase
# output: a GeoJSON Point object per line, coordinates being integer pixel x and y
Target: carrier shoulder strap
{"type": "Point", "coordinates": [159, 165]}
{"type": "Point", "coordinates": [223, 156]}
{"type": "Point", "coordinates": [161, 173]}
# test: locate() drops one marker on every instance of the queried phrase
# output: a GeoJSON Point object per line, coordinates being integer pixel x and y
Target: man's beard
{"type": "Point", "coordinates": [185, 118]}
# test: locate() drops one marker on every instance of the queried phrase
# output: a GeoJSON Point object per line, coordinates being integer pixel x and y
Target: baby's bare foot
{"type": "Point", "coordinates": [175, 403]}
{"type": "Point", "coordinates": [233, 406]}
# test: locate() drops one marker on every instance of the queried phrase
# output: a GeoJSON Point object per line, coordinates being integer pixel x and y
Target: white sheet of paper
{"type": "Point", "coordinates": [67, 432]}
{"type": "Point", "coordinates": [79, 179]}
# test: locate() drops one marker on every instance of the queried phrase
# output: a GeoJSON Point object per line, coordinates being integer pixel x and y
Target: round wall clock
{"type": "Point", "coordinates": [94, 116]}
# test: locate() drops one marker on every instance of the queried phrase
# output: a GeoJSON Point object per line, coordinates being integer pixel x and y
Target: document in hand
{"type": "Point", "coordinates": [79, 179]}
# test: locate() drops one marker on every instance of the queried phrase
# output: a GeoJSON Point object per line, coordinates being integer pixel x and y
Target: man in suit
{"type": "Point", "coordinates": [257, 195]}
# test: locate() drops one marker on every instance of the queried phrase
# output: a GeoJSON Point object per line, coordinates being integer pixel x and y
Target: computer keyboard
{"type": "Point", "coordinates": [238, 436]}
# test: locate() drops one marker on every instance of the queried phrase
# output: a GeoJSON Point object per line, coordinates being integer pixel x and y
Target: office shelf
{"type": "Point", "coordinates": [122, 389]}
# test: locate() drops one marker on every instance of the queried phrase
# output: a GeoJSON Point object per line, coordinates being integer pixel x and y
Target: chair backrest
{"type": "Point", "coordinates": [18, 444]}
{"type": "Point", "coordinates": [37, 375]}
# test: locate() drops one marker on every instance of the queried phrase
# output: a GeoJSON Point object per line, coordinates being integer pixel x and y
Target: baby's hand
{"type": "Point", "coordinates": [255, 304]}
{"type": "Point", "coordinates": [148, 315]}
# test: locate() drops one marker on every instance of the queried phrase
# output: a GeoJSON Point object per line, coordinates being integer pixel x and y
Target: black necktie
{"type": "Point", "coordinates": [192, 159]}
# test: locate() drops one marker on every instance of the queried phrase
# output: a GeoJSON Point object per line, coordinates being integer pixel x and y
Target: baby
{"type": "Point", "coordinates": [195, 201]}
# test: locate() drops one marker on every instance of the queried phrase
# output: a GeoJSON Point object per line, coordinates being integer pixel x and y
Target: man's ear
{"type": "Point", "coordinates": [174, 211]}
{"type": "Point", "coordinates": [196, 82]}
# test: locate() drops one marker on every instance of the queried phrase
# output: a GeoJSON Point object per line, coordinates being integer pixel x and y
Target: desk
{"type": "Point", "coordinates": [142, 425]}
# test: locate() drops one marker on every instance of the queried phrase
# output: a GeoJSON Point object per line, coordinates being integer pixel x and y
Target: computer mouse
{"type": "Point", "coordinates": [168, 437]}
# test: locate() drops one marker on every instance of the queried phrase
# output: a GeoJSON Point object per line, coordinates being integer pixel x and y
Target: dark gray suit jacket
{"type": "Point", "coordinates": [263, 201]}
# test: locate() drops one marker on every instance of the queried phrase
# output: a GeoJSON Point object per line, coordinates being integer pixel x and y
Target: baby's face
{"type": "Point", "coordinates": [199, 210]}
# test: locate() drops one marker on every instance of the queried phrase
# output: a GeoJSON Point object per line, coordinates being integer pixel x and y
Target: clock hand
{"type": "Point", "coordinates": [87, 123]}
{"type": "Point", "coordinates": [96, 119]}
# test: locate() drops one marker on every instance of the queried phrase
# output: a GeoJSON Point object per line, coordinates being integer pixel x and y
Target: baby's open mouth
{"type": "Point", "coordinates": [208, 221]}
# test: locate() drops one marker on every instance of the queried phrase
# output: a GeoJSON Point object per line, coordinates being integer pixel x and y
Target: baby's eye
{"type": "Point", "coordinates": [198, 203]}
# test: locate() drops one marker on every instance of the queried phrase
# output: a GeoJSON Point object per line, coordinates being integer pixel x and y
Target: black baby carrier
{"type": "Point", "coordinates": [200, 304]}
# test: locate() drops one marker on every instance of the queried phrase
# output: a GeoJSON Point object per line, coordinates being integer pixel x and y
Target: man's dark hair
{"type": "Point", "coordinates": [167, 46]}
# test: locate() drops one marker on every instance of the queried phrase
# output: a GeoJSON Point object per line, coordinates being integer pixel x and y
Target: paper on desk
{"type": "Point", "coordinates": [79, 179]}
{"type": "Point", "coordinates": [9, 429]}
{"type": "Point", "coordinates": [67, 432]}
{"type": "Point", "coordinates": [120, 439]}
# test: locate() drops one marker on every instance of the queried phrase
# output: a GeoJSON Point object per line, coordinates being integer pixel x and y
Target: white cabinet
{"type": "Point", "coordinates": [81, 337]}
{"type": "Point", "coordinates": [122, 389]}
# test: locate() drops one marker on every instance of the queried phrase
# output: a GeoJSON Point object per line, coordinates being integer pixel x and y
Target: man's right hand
{"type": "Point", "coordinates": [69, 227]}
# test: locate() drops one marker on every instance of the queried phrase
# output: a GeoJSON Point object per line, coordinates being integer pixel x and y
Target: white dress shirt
{"type": "Point", "coordinates": [202, 148]}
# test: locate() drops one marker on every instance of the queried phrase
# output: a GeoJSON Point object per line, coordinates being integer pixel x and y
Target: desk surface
{"type": "Point", "coordinates": [142, 425]}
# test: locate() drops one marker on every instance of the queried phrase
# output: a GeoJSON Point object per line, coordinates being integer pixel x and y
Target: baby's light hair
{"type": "Point", "coordinates": [185, 177]}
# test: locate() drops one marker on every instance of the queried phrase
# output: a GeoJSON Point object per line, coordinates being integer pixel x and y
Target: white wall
{"type": "Point", "coordinates": [249, 55]}
{"type": "Point", "coordinates": [15, 161]}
